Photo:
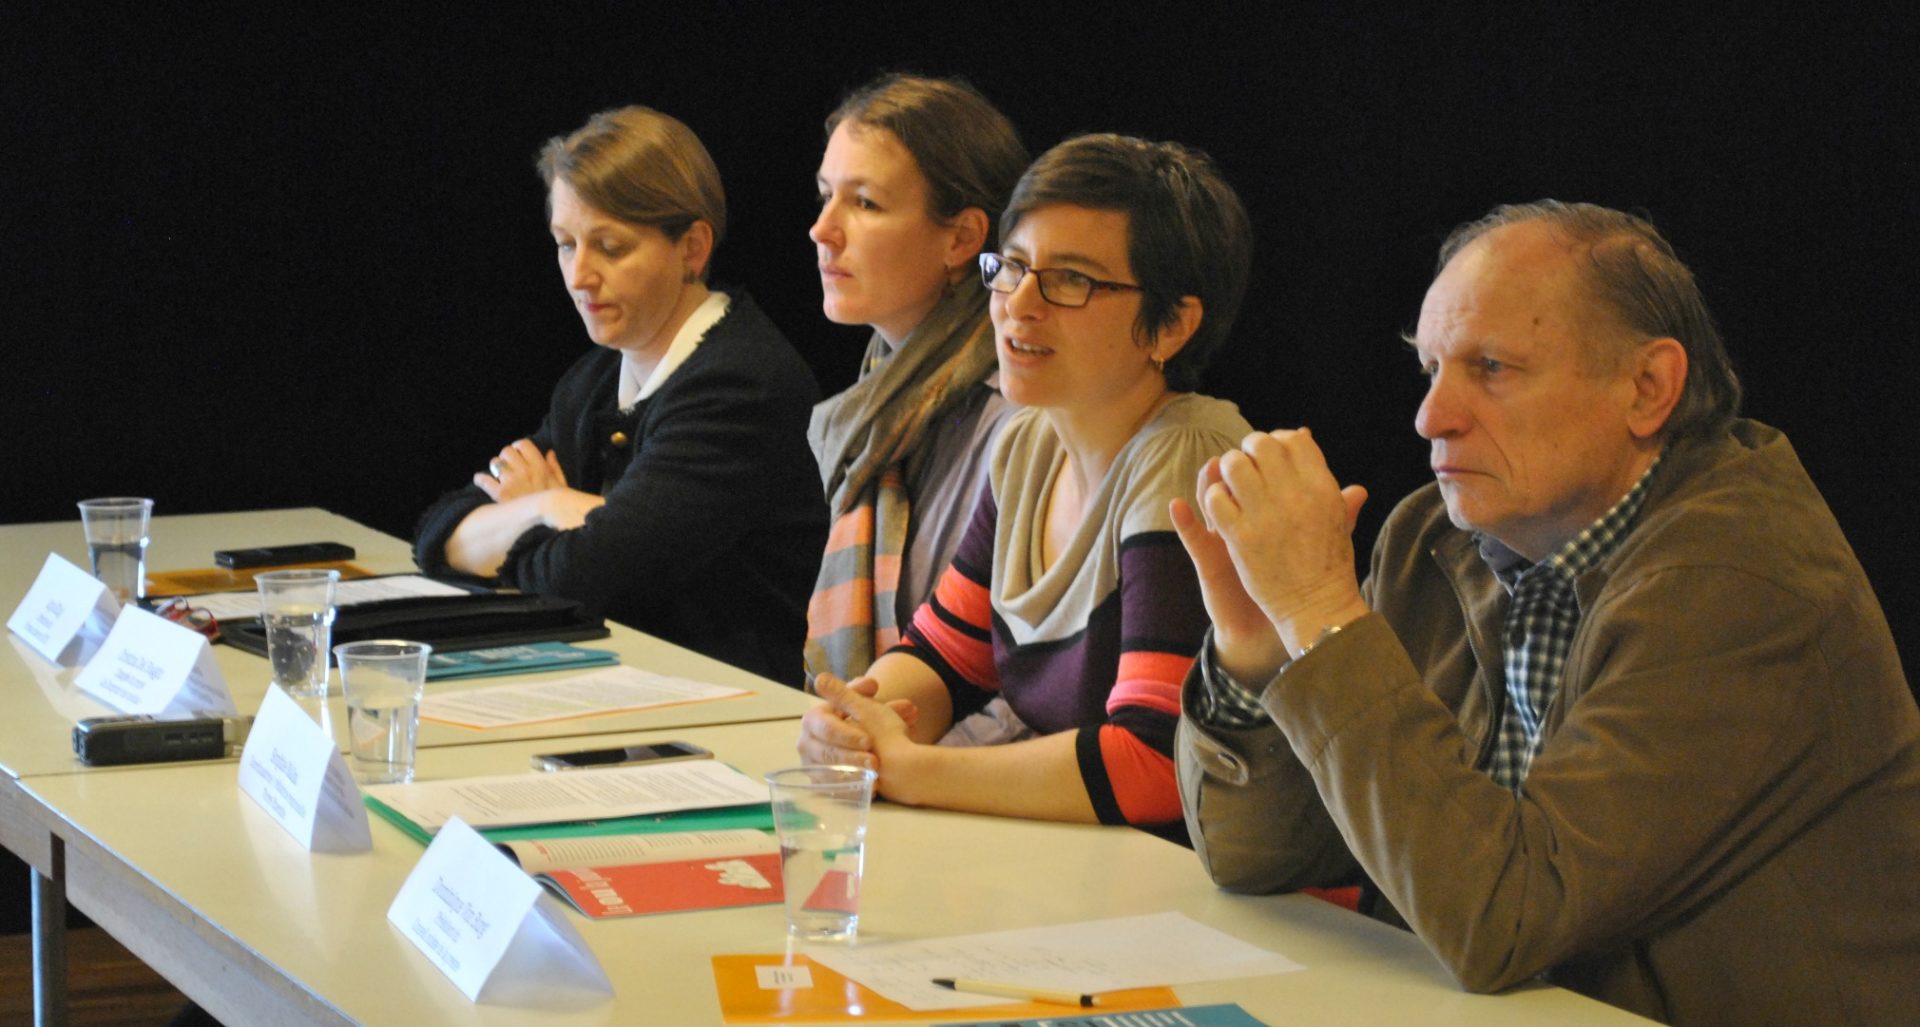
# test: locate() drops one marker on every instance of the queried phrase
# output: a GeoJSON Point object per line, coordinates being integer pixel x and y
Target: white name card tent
{"type": "Point", "coordinates": [292, 769]}
{"type": "Point", "coordinates": [66, 614]}
{"type": "Point", "coordinates": [492, 930]}
{"type": "Point", "coordinates": [149, 664]}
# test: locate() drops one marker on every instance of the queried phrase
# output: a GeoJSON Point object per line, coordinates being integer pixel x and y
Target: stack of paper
{"type": "Point", "coordinates": [613, 800]}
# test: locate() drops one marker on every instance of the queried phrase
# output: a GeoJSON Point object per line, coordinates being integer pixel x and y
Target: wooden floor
{"type": "Point", "coordinates": [106, 984]}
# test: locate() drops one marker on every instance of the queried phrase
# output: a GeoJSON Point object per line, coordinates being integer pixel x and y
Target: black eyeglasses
{"type": "Point", "coordinates": [1062, 287]}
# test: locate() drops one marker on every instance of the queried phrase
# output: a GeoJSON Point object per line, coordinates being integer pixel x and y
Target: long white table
{"type": "Point", "coordinates": [42, 704]}
{"type": "Point", "coordinates": [201, 884]}
{"type": "Point", "coordinates": [189, 875]}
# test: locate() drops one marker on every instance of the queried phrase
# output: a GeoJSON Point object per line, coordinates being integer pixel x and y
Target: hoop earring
{"type": "Point", "coordinates": [1158, 363]}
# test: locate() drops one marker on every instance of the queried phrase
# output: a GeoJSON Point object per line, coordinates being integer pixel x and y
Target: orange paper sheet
{"type": "Point", "coordinates": [223, 579]}
{"type": "Point", "coordinates": [833, 997]}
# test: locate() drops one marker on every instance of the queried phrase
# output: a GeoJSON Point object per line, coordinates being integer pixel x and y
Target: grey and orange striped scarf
{"type": "Point", "coordinates": [868, 442]}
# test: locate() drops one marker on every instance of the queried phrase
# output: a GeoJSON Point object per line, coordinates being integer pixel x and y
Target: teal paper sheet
{"type": "Point", "coordinates": [515, 659]}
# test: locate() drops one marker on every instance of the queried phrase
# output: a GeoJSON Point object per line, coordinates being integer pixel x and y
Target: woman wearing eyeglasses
{"type": "Point", "coordinates": [670, 486]}
{"type": "Point", "coordinates": [1122, 263]}
{"type": "Point", "coordinates": [914, 176]}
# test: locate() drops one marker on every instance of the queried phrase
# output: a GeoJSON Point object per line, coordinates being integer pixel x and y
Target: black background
{"type": "Point", "coordinates": [280, 259]}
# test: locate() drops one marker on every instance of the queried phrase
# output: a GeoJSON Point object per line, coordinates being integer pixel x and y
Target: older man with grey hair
{"type": "Point", "coordinates": [1615, 705]}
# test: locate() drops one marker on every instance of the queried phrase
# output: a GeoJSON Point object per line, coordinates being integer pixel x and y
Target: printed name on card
{"type": "Point", "coordinates": [66, 614]}
{"type": "Point", "coordinates": [491, 929]}
{"type": "Point", "coordinates": [149, 664]}
{"type": "Point", "coordinates": [292, 769]}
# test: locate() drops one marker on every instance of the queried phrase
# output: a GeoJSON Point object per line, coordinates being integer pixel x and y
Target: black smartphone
{"type": "Point", "coordinates": [276, 556]}
{"type": "Point", "coordinates": [620, 756]}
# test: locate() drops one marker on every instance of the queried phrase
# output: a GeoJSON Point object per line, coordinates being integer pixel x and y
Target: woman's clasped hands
{"type": "Point", "coordinates": [521, 470]}
{"type": "Point", "coordinates": [851, 727]}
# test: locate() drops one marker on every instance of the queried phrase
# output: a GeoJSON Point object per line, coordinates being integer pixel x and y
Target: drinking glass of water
{"type": "Point", "coordinates": [117, 543]}
{"type": "Point", "coordinates": [820, 814]}
{"type": "Point", "coordinates": [384, 681]}
{"type": "Point", "coordinates": [297, 609]}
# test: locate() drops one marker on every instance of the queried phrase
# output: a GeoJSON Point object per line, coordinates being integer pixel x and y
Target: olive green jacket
{"type": "Point", "coordinates": [1723, 822]}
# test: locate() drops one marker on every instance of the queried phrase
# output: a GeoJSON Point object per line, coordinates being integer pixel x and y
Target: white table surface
{"type": "Point", "coordinates": [201, 884]}
{"type": "Point", "coordinates": [42, 704]}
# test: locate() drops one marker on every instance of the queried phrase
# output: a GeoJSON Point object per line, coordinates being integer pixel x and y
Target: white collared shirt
{"type": "Point", "coordinates": [685, 341]}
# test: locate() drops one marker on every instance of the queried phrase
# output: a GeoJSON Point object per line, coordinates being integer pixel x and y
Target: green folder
{"type": "Point", "coordinates": [758, 815]}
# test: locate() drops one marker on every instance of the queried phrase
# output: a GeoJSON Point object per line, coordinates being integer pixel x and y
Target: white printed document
{"type": "Point", "coordinates": [613, 690]}
{"type": "Point", "coordinates": [241, 605]}
{"type": "Point", "coordinates": [533, 798]}
{"type": "Point", "coordinates": [537, 855]}
{"type": "Point", "coordinates": [1102, 955]}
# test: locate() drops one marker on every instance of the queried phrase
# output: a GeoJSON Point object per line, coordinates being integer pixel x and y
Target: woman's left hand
{"type": "Point", "coordinates": [520, 469]}
{"type": "Point", "coordinates": [853, 727]}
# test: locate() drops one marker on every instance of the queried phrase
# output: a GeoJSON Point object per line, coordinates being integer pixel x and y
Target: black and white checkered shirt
{"type": "Point", "coordinates": [1541, 621]}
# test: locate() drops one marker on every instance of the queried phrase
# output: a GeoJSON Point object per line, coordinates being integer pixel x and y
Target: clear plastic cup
{"type": "Point", "coordinates": [820, 814]}
{"type": "Point", "coordinates": [296, 608]}
{"type": "Point", "coordinates": [117, 537]}
{"type": "Point", "coordinates": [384, 682]}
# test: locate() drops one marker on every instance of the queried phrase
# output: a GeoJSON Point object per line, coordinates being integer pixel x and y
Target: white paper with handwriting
{"type": "Point", "coordinates": [1100, 955]}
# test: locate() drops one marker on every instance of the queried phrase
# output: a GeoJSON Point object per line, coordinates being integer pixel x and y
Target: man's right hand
{"type": "Point", "coordinates": [1287, 528]}
{"type": "Point", "coordinates": [1245, 644]}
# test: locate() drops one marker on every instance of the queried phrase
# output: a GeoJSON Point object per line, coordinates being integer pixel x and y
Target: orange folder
{"type": "Point", "coordinates": [833, 997]}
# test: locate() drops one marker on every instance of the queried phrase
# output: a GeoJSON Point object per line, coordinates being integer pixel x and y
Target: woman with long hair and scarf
{"type": "Point", "coordinates": [668, 487]}
{"type": "Point", "coordinates": [915, 174]}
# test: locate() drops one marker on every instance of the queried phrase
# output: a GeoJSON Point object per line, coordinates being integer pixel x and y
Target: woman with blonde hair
{"type": "Point", "coordinates": [670, 486]}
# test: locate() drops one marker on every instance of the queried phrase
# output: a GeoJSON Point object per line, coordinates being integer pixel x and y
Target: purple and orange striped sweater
{"type": "Point", "coordinates": [1100, 641]}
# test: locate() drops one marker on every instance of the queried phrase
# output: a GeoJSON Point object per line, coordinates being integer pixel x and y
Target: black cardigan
{"type": "Point", "coordinates": [714, 523]}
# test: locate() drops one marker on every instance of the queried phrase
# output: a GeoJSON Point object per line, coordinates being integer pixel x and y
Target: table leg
{"type": "Point", "coordinates": [50, 939]}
